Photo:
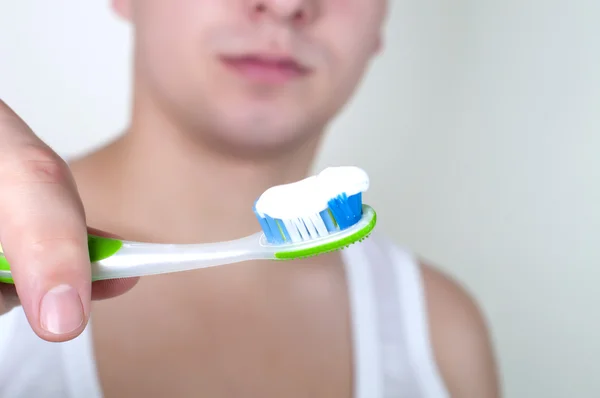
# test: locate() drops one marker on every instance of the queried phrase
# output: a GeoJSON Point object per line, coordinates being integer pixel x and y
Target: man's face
{"type": "Point", "coordinates": [249, 73]}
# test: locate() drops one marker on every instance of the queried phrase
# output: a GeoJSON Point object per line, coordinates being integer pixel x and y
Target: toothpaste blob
{"type": "Point", "coordinates": [348, 180]}
{"type": "Point", "coordinates": [313, 207]}
{"type": "Point", "coordinates": [312, 194]}
{"type": "Point", "coordinates": [292, 200]}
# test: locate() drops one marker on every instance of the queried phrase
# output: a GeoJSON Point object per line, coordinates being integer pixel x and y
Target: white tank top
{"type": "Point", "coordinates": [392, 350]}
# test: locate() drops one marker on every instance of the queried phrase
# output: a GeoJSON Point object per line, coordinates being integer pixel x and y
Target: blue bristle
{"type": "Point", "coordinates": [329, 222]}
{"type": "Point", "coordinates": [347, 211]}
{"type": "Point", "coordinates": [273, 228]}
{"type": "Point", "coordinates": [276, 236]}
{"type": "Point", "coordinates": [286, 234]}
{"type": "Point", "coordinates": [264, 225]}
{"type": "Point", "coordinates": [355, 203]}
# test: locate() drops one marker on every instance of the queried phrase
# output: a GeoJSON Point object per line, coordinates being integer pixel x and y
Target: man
{"type": "Point", "coordinates": [230, 98]}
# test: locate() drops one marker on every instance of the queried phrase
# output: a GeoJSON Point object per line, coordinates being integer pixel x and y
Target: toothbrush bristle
{"type": "Point", "coordinates": [342, 212]}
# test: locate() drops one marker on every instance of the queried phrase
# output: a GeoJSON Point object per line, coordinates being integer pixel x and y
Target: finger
{"type": "Point", "coordinates": [43, 232]}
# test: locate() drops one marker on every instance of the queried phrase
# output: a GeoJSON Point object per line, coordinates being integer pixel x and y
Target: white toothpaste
{"type": "Point", "coordinates": [289, 200]}
{"type": "Point", "coordinates": [311, 195]}
{"type": "Point", "coordinates": [346, 179]}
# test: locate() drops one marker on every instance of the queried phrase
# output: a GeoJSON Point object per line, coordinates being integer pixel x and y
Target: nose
{"type": "Point", "coordinates": [299, 12]}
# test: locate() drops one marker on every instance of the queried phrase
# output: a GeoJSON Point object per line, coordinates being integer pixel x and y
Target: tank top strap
{"type": "Point", "coordinates": [392, 350]}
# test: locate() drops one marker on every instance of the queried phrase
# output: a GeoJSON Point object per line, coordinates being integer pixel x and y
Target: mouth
{"type": "Point", "coordinates": [266, 68]}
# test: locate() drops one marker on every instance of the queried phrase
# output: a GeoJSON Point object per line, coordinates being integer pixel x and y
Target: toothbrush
{"type": "Point", "coordinates": [319, 214]}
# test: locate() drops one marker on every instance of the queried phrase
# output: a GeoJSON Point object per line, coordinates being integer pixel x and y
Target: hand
{"type": "Point", "coordinates": [44, 236]}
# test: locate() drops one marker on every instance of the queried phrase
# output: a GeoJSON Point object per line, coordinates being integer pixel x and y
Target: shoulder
{"type": "Point", "coordinates": [460, 338]}
{"type": "Point", "coordinates": [448, 334]}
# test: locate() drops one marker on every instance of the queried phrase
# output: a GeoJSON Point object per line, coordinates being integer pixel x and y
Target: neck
{"type": "Point", "coordinates": [167, 187]}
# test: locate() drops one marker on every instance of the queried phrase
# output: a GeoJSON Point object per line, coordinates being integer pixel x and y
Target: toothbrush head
{"type": "Point", "coordinates": [316, 215]}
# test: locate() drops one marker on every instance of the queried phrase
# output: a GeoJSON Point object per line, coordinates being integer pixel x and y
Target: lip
{"type": "Point", "coordinates": [266, 68]}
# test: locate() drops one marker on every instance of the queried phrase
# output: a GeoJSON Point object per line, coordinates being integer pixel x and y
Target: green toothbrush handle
{"type": "Point", "coordinates": [99, 248]}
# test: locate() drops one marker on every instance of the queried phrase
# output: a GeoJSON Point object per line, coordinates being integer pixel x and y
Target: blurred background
{"type": "Point", "coordinates": [479, 126]}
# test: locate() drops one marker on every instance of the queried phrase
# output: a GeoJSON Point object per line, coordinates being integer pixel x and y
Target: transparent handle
{"type": "Point", "coordinates": [139, 259]}
{"type": "Point", "coordinates": [113, 258]}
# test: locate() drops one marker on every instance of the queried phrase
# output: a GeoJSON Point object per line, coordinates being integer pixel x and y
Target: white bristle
{"type": "Point", "coordinates": [292, 230]}
{"type": "Point", "coordinates": [319, 224]}
{"type": "Point", "coordinates": [312, 231]}
{"type": "Point", "coordinates": [299, 224]}
{"type": "Point", "coordinates": [305, 228]}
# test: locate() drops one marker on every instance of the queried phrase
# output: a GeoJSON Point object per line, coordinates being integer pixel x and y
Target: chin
{"type": "Point", "coordinates": [260, 136]}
